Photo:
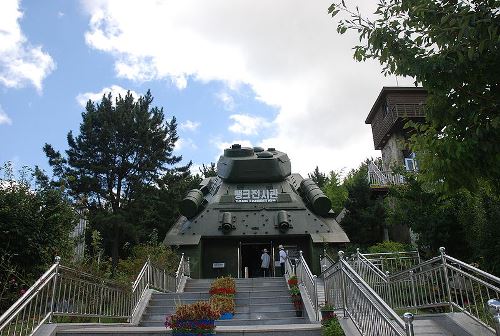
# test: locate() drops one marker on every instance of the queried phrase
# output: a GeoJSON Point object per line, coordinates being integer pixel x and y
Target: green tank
{"type": "Point", "coordinates": [255, 202]}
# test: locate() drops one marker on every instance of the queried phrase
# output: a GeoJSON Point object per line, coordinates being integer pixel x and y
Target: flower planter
{"type": "Point", "coordinates": [327, 314]}
{"type": "Point", "coordinates": [194, 328]}
{"type": "Point", "coordinates": [226, 316]}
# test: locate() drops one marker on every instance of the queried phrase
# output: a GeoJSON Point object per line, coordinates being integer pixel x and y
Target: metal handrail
{"type": "Point", "coordinates": [289, 267]}
{"type": "Point", "coordinates": [442, 281]}
{"type": "Point", "coordinates": [362, 260]}
{"type": "Point", "coordinates": [41, 287]}
{"type": "Point", "coordinates": [325, 261]}
{"type": "Point", "coordinates": [346, 290]}
{"type": "Point", "coordinates": [308, 280]}
{"type": "Point", "coordinates": [64, 291]}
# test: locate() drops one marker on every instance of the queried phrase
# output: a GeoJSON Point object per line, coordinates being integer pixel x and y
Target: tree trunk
{"type": "Point", "coordinates": [114, 249]}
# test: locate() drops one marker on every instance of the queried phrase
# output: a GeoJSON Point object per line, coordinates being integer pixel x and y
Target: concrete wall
{"type": "Point", "coordinates": [392, 153]}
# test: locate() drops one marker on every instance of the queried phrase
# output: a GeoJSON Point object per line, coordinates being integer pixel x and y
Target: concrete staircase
{"type": "Point", "coordinates": [263, 308]}
{"type": "Point", "coordinates": [259, 301]}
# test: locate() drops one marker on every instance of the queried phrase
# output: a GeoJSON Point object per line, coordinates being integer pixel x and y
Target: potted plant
{"type": "Point", "coordinates": [327, 312]}
{"type": "Point", "coordinates": [225, 305]}
{"type": "Point", "coordinates": [296, 300]}
{"type": "Point", "coordinates": [223, 286]}
{"type": "Point", "coordinates": [293, 281]}
{"type": "Point", "coordinates": [193, 319]}
{"type": "Point", "coordinates": [222, 292]}
{"type": "Point", "coordinates": [331, 326]}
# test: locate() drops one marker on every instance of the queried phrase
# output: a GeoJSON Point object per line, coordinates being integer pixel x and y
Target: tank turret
{"type": "Point", "coordinates": [245, 164]}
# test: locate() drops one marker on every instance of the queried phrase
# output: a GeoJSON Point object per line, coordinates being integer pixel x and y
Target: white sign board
{"type": "Point", "coordinates": [218, 265]}
{"type": "Point", "coordinates": [256, 195]}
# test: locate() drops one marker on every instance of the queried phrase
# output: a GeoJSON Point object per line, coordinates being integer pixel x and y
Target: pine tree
{"type": "Point", "coordinates": [122, 148]}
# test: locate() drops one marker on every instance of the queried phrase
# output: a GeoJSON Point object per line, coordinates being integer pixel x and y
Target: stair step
{"type": "Point", "coordinates": [201, 289]}
{"type": "Point", "coordinates": [250, 308]}
{"type": "Point", "coordinates": [257, 330]}
{"type": "Point", "coordinates": [240, 294]}
{"type": "Point", "coordinates": [270, 321]}
{"type": "Point", "coordinates": [238, 316]}
{"type": "Point", "coordinates": [239, 301]}
{"type": "Point", "coordinates": [241, 322]}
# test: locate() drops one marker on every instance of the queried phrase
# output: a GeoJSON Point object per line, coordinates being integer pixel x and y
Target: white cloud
{"type": "Point", "coordinates": [115, 90]}
{"type": "Point", "coordinates": [247, 124]}
{"type": "Point", "coordinates": [184, 143]}
{"type": "Point", "coordinates": [226, 99]}
{"type": "Point", "coordinates": [189, 125]}
{"type": "Point", "coordinates": [4, 118]}
{"type": "Point", "coordinates": [20, 62]}
{"type": "Point", "coordinates": [287, 52]}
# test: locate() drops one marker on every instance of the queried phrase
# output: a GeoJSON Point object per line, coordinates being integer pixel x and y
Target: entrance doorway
{"type": "Point", "coordinates": [250, 258]}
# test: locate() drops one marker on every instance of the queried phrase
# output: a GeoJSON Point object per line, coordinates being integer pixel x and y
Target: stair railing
{"type": "Point", "coordinates": [308, 280]}
{"type": "Point", "coordinates": [392, 261]}
{"type": "Point", "coordinates": [441, 282]}
{"type": "Point", "coordinates": [346, 290]}
{"type": "Point", "coordinates": [372, 275]}
{"type": "Point", "coordinates": [64, 291]}
{"type": "Point", "coordinates": [182, 270]}
{"type": "Point", "coordinates": [325, 261]}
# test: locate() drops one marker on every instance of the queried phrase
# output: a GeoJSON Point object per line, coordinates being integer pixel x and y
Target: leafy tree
{"type": "Point", "coordinates": [452, 49]}
{"type": "Point", "coordinates": [336, 191]}
{"type": "Point", "coordinates": [364, 222]}
{"type": "Point", "coordinates": [35, 226]}
{"type": "Point", "coordinates": [464, 222]}
{"type": "Point", "coordinates": [208, 170]}
{"type": "Point", "coordinates": [157, 207]}
{"type": "Point", "coordinates": [318, 177]}
{"type": "Point", "coordinates": [122, 148]}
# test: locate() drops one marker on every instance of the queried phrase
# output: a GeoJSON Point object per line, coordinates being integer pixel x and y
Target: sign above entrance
{"type": "Point", "coordinates": [256, 195]}
{"type": "Point", "coordinates": [218, 265]}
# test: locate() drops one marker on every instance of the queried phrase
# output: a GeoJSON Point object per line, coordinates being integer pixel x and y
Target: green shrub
{"type": "Point", "coordinates": [390, 246]}
{"type": "Point", "coordinates": [332, 328]}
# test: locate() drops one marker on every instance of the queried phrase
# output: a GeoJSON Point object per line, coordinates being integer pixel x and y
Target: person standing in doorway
{"type": "Point", "coordinates": [283, 257]}
{"type": "Point", "coordinates": [264, 266]}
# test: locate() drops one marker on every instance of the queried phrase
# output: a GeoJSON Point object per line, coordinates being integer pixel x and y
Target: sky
{"type": "Point", "coordinates": [257, 73]}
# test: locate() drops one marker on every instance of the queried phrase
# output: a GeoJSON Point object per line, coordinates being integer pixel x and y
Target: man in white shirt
{"type": "Point", "coordinates": [283, 257]}
{"type": "Point", "coordinates": [266, 259]}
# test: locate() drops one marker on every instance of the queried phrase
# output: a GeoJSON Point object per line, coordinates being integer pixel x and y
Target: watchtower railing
{"type": "Point", "coordinates": [442, 281]}
{"type": "Point", "coordinates": [346, 290]}
{"type": "Point", "coordinates": [64, 291]}
{"type": "Point", "coordinates": [378, 178]}
{"type": "Point", "coordinates": [308, 280]}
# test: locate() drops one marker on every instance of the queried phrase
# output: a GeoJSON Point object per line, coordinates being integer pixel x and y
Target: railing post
{"type": "Point", "coordinates": [148, 272]}
{"type": "Point", "coordinates": [408, 318]}
{"type": "Point", "coordinates": [342, 284]}
{"type": "Point", "coordinates": [301, 280]}
{"type": "Point", "coordinates": [315, 278]}
{"type": "Point", "coordinates": [494, 307]}
{"type": "Point", "coordinates": [101, 299]}
{"type": "Point", "coordinates": [442, 250]}
{"type": "Point", "coordinates": [52, 300]}
{"type": "Point", "coordinates": [182, 264]}
{"type": "Point", "coordinates": [164, 281]}
{"type": "Point", "coordinates": [413, 292]}
{"type": "Point", "coordinates": [188, 273]}
{"type": "Point", "coordinates": [358, 260]}
{"type": "Point", "coordinates": [389, 289]}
